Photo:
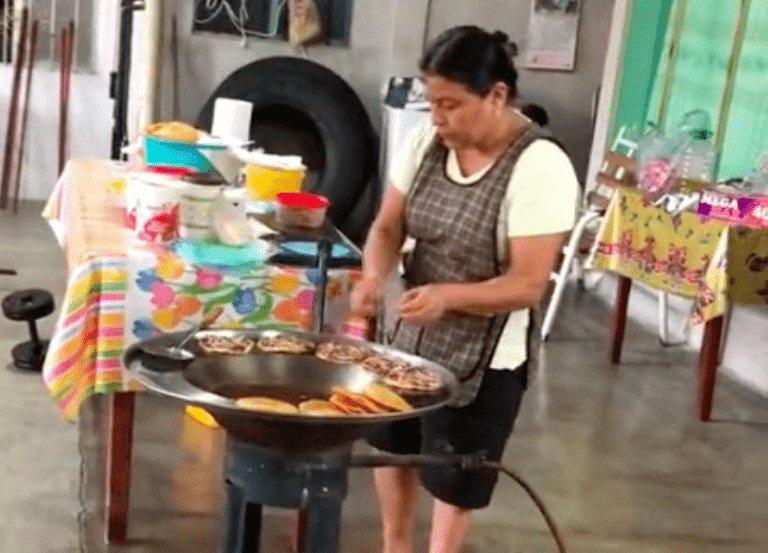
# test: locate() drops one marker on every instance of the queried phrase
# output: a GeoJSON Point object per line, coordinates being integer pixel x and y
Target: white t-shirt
{"type": "Point", "coordinates": [541, 198]}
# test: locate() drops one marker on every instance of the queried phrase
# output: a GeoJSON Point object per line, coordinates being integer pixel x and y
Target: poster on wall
{"type": "Point", "coordinates": [552, 33]}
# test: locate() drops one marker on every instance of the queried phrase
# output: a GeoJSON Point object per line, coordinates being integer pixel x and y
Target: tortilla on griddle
{"type": "Point", "coordinates": [341, 353]}
{"type": "Point", "coordinates": [344, 404]}
{"type": "Point", "coordinates": [267, 404]}
{"type": "Point", "coordinates": [285, 344]}
{"type": "Point", "coordinates": [239, 345]}
{"type": "Point", "coordinates": [348, 396]}
{"type": "Point", "coordinates": [413, 379]}
{"type": "Point", "coordinates": [319, 408]}
{"type": "Point", "coordinates": [380, 365]}
{"type": "Point", "coordinates": [382, 395]}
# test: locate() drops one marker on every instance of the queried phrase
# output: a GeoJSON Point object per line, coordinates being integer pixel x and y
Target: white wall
{"type": "Point", "coordinates": [566, 95]}
{"type": "Point", "coordinates": [90, 119]}
{"type": "Point", "coordinates": [386, 39]}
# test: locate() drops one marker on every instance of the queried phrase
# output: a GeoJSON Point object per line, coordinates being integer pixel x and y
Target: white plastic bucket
{"type": "Point", "coordinates": [152, 208]}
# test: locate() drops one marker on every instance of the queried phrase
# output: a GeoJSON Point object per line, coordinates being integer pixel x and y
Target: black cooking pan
{"type": "Point", "coordinates": [215, 381]}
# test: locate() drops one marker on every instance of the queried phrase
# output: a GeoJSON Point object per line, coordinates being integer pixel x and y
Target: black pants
{"type": "Point", "coordinates": [482, 426]}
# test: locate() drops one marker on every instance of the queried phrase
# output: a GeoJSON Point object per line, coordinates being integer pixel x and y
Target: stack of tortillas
{"type": "Point", "coordinates": [173, 130]}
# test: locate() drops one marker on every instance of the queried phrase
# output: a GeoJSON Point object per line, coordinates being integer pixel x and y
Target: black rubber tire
{"type": "Point", "coordinates": [351, 145]}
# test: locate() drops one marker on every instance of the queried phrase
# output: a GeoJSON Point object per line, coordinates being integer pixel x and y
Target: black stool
{"type": "Point", "coordinates": [29, 305]}
{"type": "Point", "coordinates": [255, 477]}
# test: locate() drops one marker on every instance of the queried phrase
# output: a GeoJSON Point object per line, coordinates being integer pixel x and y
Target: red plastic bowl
{"type": "Point", "coordinates": [169, 170]}
{"type": "Point", "coordinates": [302, 199]}
{"type": "Point", "coordinates": [301, 209]}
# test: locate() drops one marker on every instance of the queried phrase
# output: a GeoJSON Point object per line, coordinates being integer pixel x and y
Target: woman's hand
{"type": "Point", "coordinates": [424, 304]}
{"type": "Point", "coordinates": [365, 297]}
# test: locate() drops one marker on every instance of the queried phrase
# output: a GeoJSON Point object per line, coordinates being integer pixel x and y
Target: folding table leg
{"type": "Point", "coordinates": [119, 442]}
{"type": "Point", "coordinates": [708, 361]}
{"type": "Point", "coordinates": [620, 318]}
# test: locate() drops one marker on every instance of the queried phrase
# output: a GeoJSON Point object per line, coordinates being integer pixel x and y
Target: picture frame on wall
{"type": "Point", "coordinates": [553, 31]}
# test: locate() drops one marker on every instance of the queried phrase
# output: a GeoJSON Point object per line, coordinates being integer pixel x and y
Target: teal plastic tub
{"type": "Point", "coordinates": [172, 153]}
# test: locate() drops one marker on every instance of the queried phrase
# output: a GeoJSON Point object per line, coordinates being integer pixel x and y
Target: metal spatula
{"type": "Point", "coordinates": [176, 352]}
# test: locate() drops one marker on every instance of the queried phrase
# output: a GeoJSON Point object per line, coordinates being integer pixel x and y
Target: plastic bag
{"type": "Point", "coordinates": [655, 159]}
{"type": "Point", "coordinates": [229, 223]}
{"type": "Point", "coordinates": [661, 157]}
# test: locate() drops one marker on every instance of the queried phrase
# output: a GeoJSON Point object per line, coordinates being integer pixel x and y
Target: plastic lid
{"type": "Point", "coordinates": [169, 170]}
{"type": "Point", "coordinates": [302, 199]}
{"type": "Point", "coordinates": [273, 161]}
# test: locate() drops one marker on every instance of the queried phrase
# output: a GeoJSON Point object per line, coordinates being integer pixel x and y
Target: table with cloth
{"type": "Point", "coordinates": [708, 260]}
{"type": "Point", "coordinates": [119, 292]}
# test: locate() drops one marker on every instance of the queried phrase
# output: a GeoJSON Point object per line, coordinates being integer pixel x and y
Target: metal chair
{"type": "Point", "coordinates": [618, 169]}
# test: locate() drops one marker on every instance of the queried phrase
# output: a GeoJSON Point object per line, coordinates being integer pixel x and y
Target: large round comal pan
{"type": "Point", "coordinates": [214, 381]}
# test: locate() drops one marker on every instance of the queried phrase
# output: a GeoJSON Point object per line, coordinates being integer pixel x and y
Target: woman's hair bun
{"type": "Point", "coordinates": [474, 57]}
{"type": "Point", "coordinates": [500, 37]}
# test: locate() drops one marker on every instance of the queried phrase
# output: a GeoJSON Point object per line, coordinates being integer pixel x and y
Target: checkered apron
{"type": "Point", "coordinates": [455, 231]}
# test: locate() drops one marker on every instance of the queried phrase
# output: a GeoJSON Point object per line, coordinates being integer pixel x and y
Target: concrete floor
{"type": "Point", "coordinates": [614, 451]}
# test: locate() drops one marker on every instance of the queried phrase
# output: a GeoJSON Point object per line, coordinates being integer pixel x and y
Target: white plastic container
{"type": "Point", "coordinates": [152, 207]}
{"type": "Point", "coordinates": [197, 196]}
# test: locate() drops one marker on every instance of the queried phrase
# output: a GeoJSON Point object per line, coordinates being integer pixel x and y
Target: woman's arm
{"type": "Point", "coordinates": [521, 286]}
{"type": "Point", "coordinates": [380, 252]}
{"type": "Point", "coordinates": [386, 236]}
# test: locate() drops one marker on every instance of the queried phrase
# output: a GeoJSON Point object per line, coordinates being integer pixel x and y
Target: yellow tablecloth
{"type": "Point", "coordinates": [118, 293]}
{"type": "Point", "coordinates": [696, 257]}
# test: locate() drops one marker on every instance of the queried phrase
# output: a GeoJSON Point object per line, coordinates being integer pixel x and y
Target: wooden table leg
{"type": "Point", "coordinates": [119, 442]}
{"type": "Point", "coordinates": [619, 318]}
{"type": "Point", "coordinates": [708, 361]}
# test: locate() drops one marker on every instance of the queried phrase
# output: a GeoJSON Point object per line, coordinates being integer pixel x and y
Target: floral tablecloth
{"type": "Point", "coordinates": [693, 256]}
{"type": "Point", "coordinates": [118, 293]}
{"type": "Point", "coordinates": [166, 294]}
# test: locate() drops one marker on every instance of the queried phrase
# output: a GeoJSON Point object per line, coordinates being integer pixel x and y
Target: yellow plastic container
{"type": "Point", "coordinates": [264, 183]}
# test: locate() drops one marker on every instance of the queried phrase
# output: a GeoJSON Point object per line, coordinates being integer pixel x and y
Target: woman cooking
{"type": "Point", "coordinates": [487, 197]}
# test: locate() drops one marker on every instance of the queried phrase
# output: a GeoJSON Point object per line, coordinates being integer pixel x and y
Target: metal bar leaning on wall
{"type": "Point", "coordinates": [726, 97]}
{"type": "Point", "coordinates": [669, 70]}
{"type": "Point", "coordinates": [66, 52]}
{"type": "Point", "coordinates": [10, 136]}
{"type": "Point", "coordinates": [21, 120]}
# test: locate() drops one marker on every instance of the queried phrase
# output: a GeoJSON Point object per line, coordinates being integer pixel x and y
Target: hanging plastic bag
{"type": "Point", "coordinates": [304, 25]}
{"type": "Point", "coordinates": [230, 223]}
{"type": "Point", "coordinates": [655, 159]}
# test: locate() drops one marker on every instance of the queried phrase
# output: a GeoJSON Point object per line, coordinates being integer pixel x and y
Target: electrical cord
{"type": "Point", "coordinates": [464, 462]}
{"type": "Point", "coordinates": [238, 20]}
